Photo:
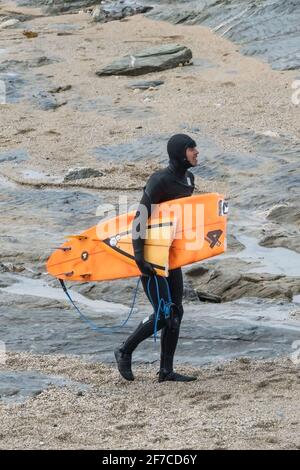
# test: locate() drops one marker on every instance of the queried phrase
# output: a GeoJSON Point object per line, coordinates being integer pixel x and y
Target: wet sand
{"type": "Point", "coordinates": [231, 91]}
{"type": "Point", "coordinates": [237, 405]}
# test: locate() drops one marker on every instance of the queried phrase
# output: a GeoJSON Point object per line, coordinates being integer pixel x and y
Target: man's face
{"type": "Point", "coordinates": [191, 155]}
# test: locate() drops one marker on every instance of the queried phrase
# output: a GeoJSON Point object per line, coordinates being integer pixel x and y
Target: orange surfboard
{"type": "Point", "coordinates": [180, 232]}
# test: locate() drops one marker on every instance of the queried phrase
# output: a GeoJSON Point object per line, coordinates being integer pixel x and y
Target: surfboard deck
{"type": "Point", "coordinates": [180, 232]}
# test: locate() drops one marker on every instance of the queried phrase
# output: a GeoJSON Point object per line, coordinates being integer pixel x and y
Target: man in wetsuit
{"type": "Point", "coordinates": [172, 182]}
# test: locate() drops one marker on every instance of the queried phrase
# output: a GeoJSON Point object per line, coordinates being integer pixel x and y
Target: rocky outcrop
{"type": "Point", "coordinates": [285, 214]}
{"type": "Point", "coordinates": [12, 65]}
{"type": "Point", "coordinates": [229, 279]}
{"type": "Point", "coordinates": [281, 238]}
{"type": "Point", "coordinates": [268, 28]}
{"type": "Point", "coordinates": [149, 60]}
{"type": "Point", "coordinates": [108, 11]}
{"type": "Point", "coordinates": [283, 231]}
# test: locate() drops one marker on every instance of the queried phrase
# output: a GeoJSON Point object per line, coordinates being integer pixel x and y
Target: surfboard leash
{"type": "Point", "coordinates": [90, 323]}
{"type": "Point", "coordinates": [163, 306]}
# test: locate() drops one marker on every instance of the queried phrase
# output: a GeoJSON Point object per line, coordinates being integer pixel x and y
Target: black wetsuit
{"type": "Point", "coordinates": [172, 182]}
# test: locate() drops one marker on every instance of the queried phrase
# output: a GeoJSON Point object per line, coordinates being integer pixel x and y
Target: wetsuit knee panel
{"type": "Point", "coordinates": [175, 317]}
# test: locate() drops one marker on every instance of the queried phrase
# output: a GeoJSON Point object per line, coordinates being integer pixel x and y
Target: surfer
{"type": "Point", "coordinates": [174, 181]}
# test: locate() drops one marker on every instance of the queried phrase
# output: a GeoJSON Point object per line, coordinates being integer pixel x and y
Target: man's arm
{"type": "Point", "coordinates": [151, 196]}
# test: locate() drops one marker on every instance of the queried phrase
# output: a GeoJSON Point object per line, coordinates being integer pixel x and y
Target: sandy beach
{"type": "Point", "coordinates": [233, 91]}
{"type": "Point", "coordinates": [238, 405]}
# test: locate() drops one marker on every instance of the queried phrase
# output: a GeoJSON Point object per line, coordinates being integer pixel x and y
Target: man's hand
{"type": "Point", "coordinates": [145, 267]}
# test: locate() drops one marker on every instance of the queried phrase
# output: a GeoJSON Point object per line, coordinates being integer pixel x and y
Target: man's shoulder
{"type": "Point", "coordinates": [158, 176]}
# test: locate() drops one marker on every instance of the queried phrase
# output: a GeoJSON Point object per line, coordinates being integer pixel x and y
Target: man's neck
{"type": "Point", "coordinates": [177, 168]}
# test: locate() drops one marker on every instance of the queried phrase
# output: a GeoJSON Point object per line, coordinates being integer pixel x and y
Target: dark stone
{"type": "Point", "coordinates": [118, 10]}
{"type": "Point", "coordinates": [149, 60]}
{"type": "Point", "coordinates": [144, 85]}
{"type": "Point", "coordinates": [59, 89]}
{"type": "Point", "coordinates": [81, 173]}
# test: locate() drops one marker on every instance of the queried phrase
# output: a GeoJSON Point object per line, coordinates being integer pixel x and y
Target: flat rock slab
{"type": "Point", "coordinates": [14, 155]}
{"type": "Point", "coordinates": [13, 65]}
{"type": "Point", "coordinates": [18, 386]}
{"type": "Point", "coordinates": [149, 60]}
{"type": "Point", "coordinates": [81, 173]}
{"type": "Point", "coordinates": [145, 85]}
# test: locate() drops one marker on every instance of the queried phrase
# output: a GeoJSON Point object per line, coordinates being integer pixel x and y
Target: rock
{"type": "Point", "coordinates": [255, 25]}
{"type": "Point", "coordinates": [46, 101]}
{"type": "Point", "coordinates": [228, 280]}
{"type": "Point", "coordinates": [145, 85]}
{"type": "Point", "coordinates": [81, 173]}
{"type": "Point", "coordinates": [3, 268]}
{"type": "Point", "coordinates": [271, 134]}
{"type": "Point", "coordinates": [284, 214]}
{"type": "Point", "coordinates": [40, 61]}
{"type": "Point", "coordinates": [206, 297]}
{"type": "Point", "coordinates": [55, 7]}
{"type": "Point", "coordinates": [190, 294]}
{"type": "Point", "coordinates": [14, 155]}
{"type": "Point", "coordinates": [21, 17]}
{"type": "Point", "coordinates": [284, 228]}
{"type": "Point", "coordinates": [149, 60]}
{"type": "Point", "coordinates": [98, 15]}
{"type": "Point", "coordinates": [197, 271]}
{"type": "Point", "coordinates": [64, 33]}
{"type": "Point", "coordinates": [9, 23]}
{"type": "Point", "coordinates": [108, 11]}
{"type": "Point", "coordinates": [233, 244]}
{"type": "Point", "coordinates": [59, 89]}
{"type": "Point", "coordinates": [11, 268]}
{"type": "Point", "coordinates": [8, 65]}
{"type": "Point", "coordinates": [281, 238]}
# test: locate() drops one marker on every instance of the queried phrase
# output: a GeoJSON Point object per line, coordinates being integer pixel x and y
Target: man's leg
{"type": "Point", "coordinates": [144, 330]}
{"type": "Point", "coordinates": [170, 333]}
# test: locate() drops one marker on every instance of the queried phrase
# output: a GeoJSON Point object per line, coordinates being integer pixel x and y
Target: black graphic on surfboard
{"type": "Point", "coordinates": [213, 238]}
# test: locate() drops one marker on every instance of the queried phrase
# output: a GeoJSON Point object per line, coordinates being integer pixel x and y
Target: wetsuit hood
{"type": "Point", "coordinates": [176, 148]}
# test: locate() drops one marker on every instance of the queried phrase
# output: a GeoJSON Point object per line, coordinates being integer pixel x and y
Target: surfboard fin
{"type": "Point", "coordinates": [69, 274]}
{"type": "Point", "coordinates": [85, 275]}
{"type": "Point", "coordinates": [78, 237]}
{"type": "Point", "coordinates": [63, 248]}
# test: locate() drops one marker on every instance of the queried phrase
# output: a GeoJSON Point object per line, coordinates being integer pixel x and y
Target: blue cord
{"type": "Point", "coordinates": [93, 325]}
{"type": "Point", "coordinates": [163, 306]}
